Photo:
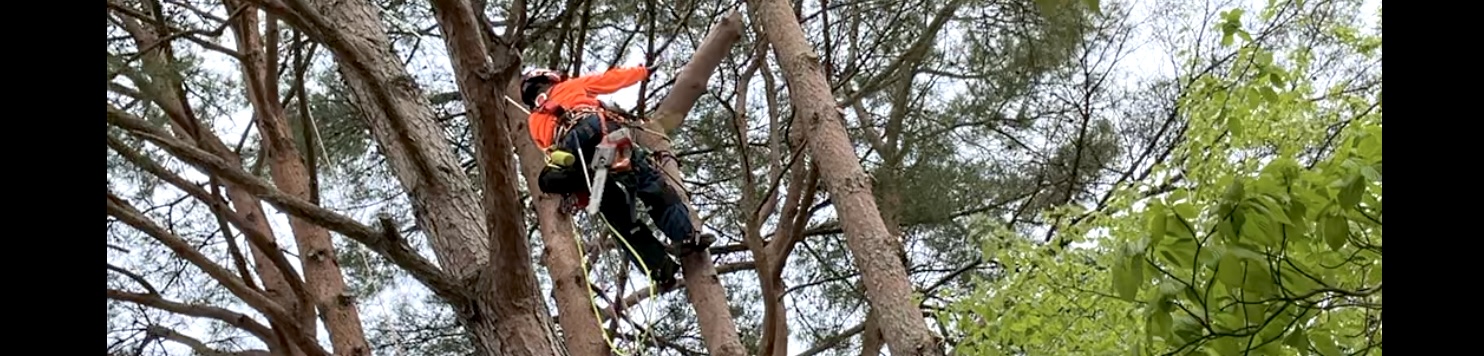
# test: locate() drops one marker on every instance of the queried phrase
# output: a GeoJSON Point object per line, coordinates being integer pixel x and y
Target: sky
{"type": "Point", "coordinates": [1145, 60]}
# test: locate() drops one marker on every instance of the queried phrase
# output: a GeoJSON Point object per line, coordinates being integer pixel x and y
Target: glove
{"type": "Point", "coordinates": [560, 159]}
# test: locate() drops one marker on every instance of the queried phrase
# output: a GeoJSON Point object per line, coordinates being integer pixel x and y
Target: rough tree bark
{"type": "Point", "coordinates": [167, 91]}
{"type": "Point", "coordinates": [867, 237]}
{"type": "Point", "coordinates": [702, 285]}
{"type": "Point", "coordinates": [289, 172]}
{"type": "Point", "coordinates": [522, 322]}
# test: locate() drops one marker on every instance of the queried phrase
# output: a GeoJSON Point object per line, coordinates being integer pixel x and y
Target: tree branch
{"type": "Point", "coordinates": [136, 277]}
{"type": "Point", "coordinates": [263, 241]}
{"type": "Point", "coordinates": [196, 345]}
{"type": "Point", "coordinates": [126, 213]}
{"type": "Point", "coordinates": [643, 293]}
{"type": "Point", "coordinates": [399, 252]}
{"type": "Point", "coordinates": [238, 320]}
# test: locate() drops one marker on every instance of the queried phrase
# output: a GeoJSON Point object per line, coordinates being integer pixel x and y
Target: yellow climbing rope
{"type": "Point", "coordinates": [592, 296]}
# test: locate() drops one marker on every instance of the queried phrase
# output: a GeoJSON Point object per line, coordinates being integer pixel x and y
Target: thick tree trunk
{"type": "Point", "coordinates": [521, 320]}
{"type": "Point", "coordinates": [322, 272]}
{"type": "Point", "coordinates": [866, 234]}
{"type": "Point", "coordinates": [702, 285]}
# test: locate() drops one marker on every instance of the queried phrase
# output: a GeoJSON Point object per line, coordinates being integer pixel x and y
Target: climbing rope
{"type": "Point", "coordinates": [582, 255]}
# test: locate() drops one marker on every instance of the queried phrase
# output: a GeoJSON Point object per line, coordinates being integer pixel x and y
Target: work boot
{"type": "Point", "coordinates": [664, 278]}
{"type": "Point", "coordinates": [696, 242]}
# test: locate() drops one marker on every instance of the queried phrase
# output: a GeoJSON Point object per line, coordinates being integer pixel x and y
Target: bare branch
{"type": "Point", "coordinates": [122, 210]}
{"type": "Point", "coordinates": [240, 321]}
{"type": "Point", "coordinates": [136, 277]}
{"type": "Point", "coordinates": [196, 345]}
{"type": "Point", "coordinates": [398, 252]}
{"type": "Point", "coordinates": [263, 241]}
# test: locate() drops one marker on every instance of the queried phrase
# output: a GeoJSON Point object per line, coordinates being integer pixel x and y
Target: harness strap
{"type": "Point", "coordinates": [570, 117]}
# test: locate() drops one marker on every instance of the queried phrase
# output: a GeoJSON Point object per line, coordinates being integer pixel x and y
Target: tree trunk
{"type": "Point", "coordinates": [718, 329]}
{"type": "Point", "coordinates": [866, 234]}
{"type": "Point", "coordinates": [322, 273]}
{"type": "Point", "coordinates": [521, 320]}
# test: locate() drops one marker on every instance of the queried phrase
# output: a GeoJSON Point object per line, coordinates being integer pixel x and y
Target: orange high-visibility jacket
{"type": "Point", "coordinates": [579, 92]}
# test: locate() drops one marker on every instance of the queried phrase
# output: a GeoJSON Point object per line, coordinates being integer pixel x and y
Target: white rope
{"type": "Point", "coordinates": [518, 104]}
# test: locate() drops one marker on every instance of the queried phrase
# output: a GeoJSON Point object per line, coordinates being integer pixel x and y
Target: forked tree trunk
{"type": "Point", "coordinates": [867, 237]}
{"type": "Point", "coordinates": [322, 273]}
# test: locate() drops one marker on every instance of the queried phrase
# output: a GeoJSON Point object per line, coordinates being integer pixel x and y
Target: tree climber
{"type": "Point", "coordinates": [565, 118]}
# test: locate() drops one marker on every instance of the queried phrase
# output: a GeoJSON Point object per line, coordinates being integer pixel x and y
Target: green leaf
{"type": "Point", "coordinates": [1160, 324]}
{"type": "Point", "coordinates": [1047, 5]}
{"type": "Point", "coordinates": [1296, 214]}
{"type": "Point", "coordinates": [1125, 279]}
{"type": "Point", "coordinates": [1158, 220]}
{"type": "Point", "coordinates": [1268, 93]}
{"type": "Point", "coordinates": [1225, 346]}
{"type": "Point", "coordinates": [1233, 123]}
{"type": "Point", "coordinates": [1349, 195]}
{"type": "Point", "coordinates": [1336, 231]}
{"type": "Point", "coordinates": [1297, 339]}
{"type": "Point", "coordinates": [1255, 313]}
{"type": "Point", "coordinates": [1325, 343]}
{"type": "Point", "coordinates": [1270, 206]}
{"type": "Point", "coordinates": [1230, 271]}
{"type": "Point", "coordinates": [1259, 280]}
{"type": "Point", "coordinates": [1235, 191]}
{"type": "Point", "coordinates": [1276, 78]}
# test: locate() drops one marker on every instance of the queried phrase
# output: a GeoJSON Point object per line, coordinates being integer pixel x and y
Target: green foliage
{"type": "Point", "coordinates": [1271, 244]}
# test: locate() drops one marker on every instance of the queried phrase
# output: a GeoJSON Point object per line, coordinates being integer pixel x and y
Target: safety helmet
{"type": "Point", "coordinates": [536, 81]}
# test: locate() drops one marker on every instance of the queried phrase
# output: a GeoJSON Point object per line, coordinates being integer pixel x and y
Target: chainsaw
{"type": "Point", "coordinates": [612, 154]}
